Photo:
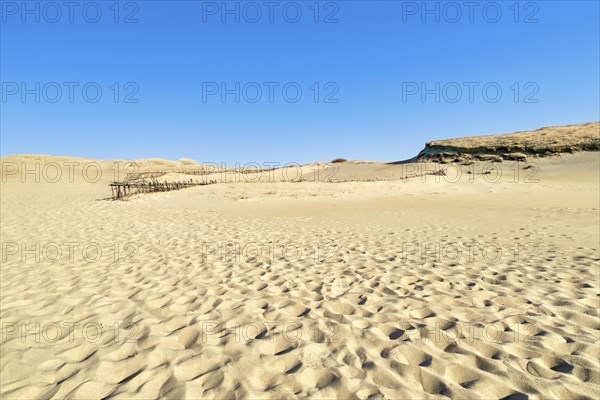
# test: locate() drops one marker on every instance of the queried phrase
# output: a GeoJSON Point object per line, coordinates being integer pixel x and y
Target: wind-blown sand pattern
{"type": "Point", "coordinates": [364, 312]}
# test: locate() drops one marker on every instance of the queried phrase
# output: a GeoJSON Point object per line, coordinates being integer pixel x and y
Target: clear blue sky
{"type": "Point", "coordinates": [368, 58]}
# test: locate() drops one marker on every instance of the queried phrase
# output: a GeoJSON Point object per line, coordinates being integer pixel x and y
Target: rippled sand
{"type": "Point", "coordinates": [462, 287]}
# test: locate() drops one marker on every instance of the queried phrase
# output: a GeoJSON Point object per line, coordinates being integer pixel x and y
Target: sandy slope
{"type": "Point", "coordinates": [187, 308]}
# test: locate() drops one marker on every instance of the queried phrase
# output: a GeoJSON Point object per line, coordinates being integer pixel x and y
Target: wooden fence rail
{"type": "Point", "coordinates": [206, 171]}
{"type": "Point", "coordinates": [121, 190]}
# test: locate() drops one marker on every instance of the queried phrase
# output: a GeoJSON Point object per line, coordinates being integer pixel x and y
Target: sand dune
{"type": "Point", "coordinates": [381, 281]}
{"type": "Point", "coordinates": [542, 142]}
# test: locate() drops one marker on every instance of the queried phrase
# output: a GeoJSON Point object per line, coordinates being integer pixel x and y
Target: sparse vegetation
{"type": "Point", "coordinates": [517, 146]}
{"type": "Point", "coordinates": [187, 161]}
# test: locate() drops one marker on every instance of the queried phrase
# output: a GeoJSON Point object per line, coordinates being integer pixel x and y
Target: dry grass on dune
{"type": "Point", "coordinates": [549, 140]}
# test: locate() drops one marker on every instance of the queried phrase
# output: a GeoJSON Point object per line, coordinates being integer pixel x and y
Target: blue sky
{"type": "Point", "coordinates": [362, 68]}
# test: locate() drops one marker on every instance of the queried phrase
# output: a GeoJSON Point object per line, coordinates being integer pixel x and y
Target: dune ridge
{"type": "Point", "coordinates": [542, 142]}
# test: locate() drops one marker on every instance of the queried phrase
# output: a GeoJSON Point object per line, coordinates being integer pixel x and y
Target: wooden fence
{"type": "Point", "coordinates": [206, 171]}
{"type": "Point", "coordinates": [121, 190]}
{"type": "Point", "coordinates": [209, 171]}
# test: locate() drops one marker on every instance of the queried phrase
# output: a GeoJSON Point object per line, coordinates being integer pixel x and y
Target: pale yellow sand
{"type": "Point", "coordinates": [362, 313]}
